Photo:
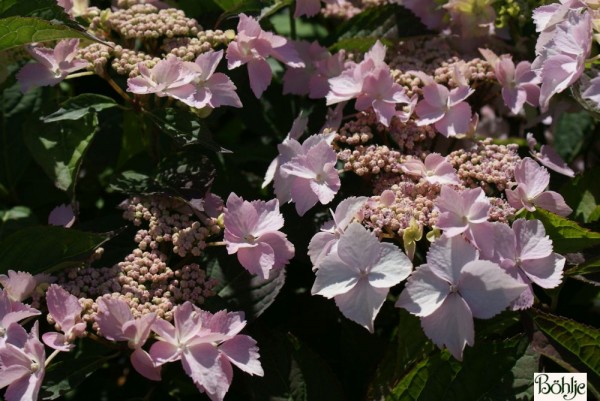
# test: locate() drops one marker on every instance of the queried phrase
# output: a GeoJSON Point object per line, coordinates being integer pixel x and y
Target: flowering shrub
{"type": "Point", "coordinates": [273, 199]}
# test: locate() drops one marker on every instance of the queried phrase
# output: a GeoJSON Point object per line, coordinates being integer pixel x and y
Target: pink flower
{"type": "Point", "coordinates": [436, 169]}
{"type": "Point", "coordinates": [18, 285]}
{"type": "Point", "coordinates": [532, 181]}
{"type": "Point", "coordinates": [519, 84]}
{"type": "Point", "coordinates": [447, 110]}
{"type": "Point", "coordinates": [22, 364]}
{"type": "Point", "coordinates": [207, 345]}
{"type": "Point", "coordinates": [252, 46]}
{"type": "Point", "coordinates": [461, 211]}
{"type": "Point", "coordinates": [287, 150]}
{"type": "Point", "coordinates": [370, 83]}
{"type": "Point", "coordinates": [62, 215]}
{"type": "Point", "coordinates": [453, 288]}
{"type": "Point", "coordinates": [313, 175]}
{"type": "Point", "coordinates": [12, 311]}
{"type": "Point", "coordinates": [311, 7]}
{"type": "Point", "coordinates": [525, 252]}
{"type": "Point", "coordinates": [65, 310]}
{"type": "Point", "coordinates": [325, 241]}
{"type": "Point", "coordinates": [116, 323]}
{"type": "Point", "coordinates": [360, 273]}
{"type": "Point", "coordinates": [252, 231]}
{"type": "Point", "coordinates": [548, 157]}
{"type": "Point", "coordinates": [168, 77]}
{"type": "Point", "coordinates": [213, 89]}
{"type": "Point", "coordinates": [561, 60]}
{"type": "Point", "coordinates": [53, 65]}
{"type": "Point", "coordinates": [320, 65]}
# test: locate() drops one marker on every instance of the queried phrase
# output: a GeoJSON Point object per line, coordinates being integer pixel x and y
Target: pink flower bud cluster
{"type": "Point", "coordinates": [488, 166]}
{"type": "Point", "coordinates": [188, 49]}
{"type": "Point", "coordinates": [170, 221]}
{"type": "Point", "coordinates": [126, 61]}
{"type": "Point", "coordinates": [392, 210]}
{"type": "Point", "coordinates": [97, 54]}
{"type": "Point", "coordinates": [145, 21]}
{"type": "Point", "coordinates": [372, 159]}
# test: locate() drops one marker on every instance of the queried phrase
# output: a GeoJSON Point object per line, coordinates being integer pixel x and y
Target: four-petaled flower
{"type": "Point", "coordinates": [252, 231]}
{"type": "Point", "coordinates": [436, 169]}
{"type": "Point", "coordinates": [452, 288]}
{"type": "Point", "coordinates": [207, 345]}
{"type": "Point", "coordinates": [252, 46]}
{"type": "Point", "coordinates": [312, 174]}
{"type": "Point", "coordinates": [526, 253]}
{"type": "Point", "coordinates": [359, 274]}
{"type": "Point", "coordinates": [445, 109]}
{"type": "Point", "coordinates": [532, 181]}
{"type": "Point", "coordinates": [22, 363]}
{"type": "Point", "coordinates": [53, 65]}
{"type": "Point", "coordinates": [116, 323]}
{"type": "Point", "coordinates": [65, 310]}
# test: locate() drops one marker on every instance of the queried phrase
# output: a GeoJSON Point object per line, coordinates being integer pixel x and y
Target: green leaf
{"type": "Point", "coordinates": [360, 44]}
{"type": "Point", "coordinates": [59, 147]}
{"type": "Point", "coordinates": [583, 194]}
{"type": "Point", "coordinates": [14, 219]}
{"type": "Point", "coordinates": [484, 370]}
{"type": "Point", "coordinates": [373, 22]}
{"type": "Point", "coordinates": [581, 340]}
{"type": "Point", "coordinates": [65, 374]}
{"type": "Point", "coordinates": [186, 175]}
{"type": "Point", "coordinates": [185, 128]}
{"type": "Point", "coordinates": [78, 107]}
{"type": "Point", "coordinates": [47, 248]}
{"type": "Point", "coordinates": [19, 31]}
{"type": "Point", "coordinates": [570, 133]}
{"type": "Point", "coordinates": [567, 236]}
{"type": "Point", "coordinates": [409, 346]}
{"type": "Point", "coordinates": [592, 267]}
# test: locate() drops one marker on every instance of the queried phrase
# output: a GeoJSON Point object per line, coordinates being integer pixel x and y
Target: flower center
{"type": "Point", "coordinates": [320, 178]}
{"type": "Point", "coordinates": [250, 238]}
{"type": "Point", "coordinates": [453, 288]}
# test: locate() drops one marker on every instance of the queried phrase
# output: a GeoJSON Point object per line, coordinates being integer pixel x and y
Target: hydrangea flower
{"type": "Point", "coordinates": [18, 285]}
{"type": "Point", "coordinates": [325, 241]}
{"type": "Point", "coordinates": [210, 88]}
{"type": "Point", "coordinates": [22, 364]}
{"type": "Point", "coordinates": [532, 181]}
{"type": "Point", "coordinates": [445, 109]}
{"type": "Point", "coordinates": [207, 345]}
{"type": "Point", "coordinates": [12, 311]}
{"type": "Point", "coordinates": [62, 215]}
{"type": "Point", "coordinates": [436, 169]}
{"type": "Point", "coordinates": [359, 274]}
{"type": "Point", "coordinates": [519, 83]}
{"type": "Point", "coordinates": [65, 310]}
{"type": "Point", "coordinates": [548, 157]}
{"type": "Point", "coordinates": [252, 46]}
{"type": "Point", "coordinates": [311, 7]}
{"type": "Point", "coordinates": [461, 211]}
{"type": "Point", "coordinates": [526, 253]}
{"type": "Point", "coordinates": [116, 323]}
{"type": "Point", "coordinates": [454, 287]}
{"type": "Point", "coordinates": [313, 176]}
{"type": "Point", "coordinates": [370, 83]}
{"type": "Point", "coordinates": [289, 148]}
{"type": "Point", "coordinates": [53, 65]}
{"type": "Point", "coordinates": [168, 77]}
{"type": "Point", "coordinates": [320, 65]}
{"type": "Point", "coordinates": [561, 60]}
{"type": "Point", "coordinates": [252, 231]}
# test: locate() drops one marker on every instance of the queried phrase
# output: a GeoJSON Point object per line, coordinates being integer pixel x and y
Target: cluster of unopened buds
{"type": "Point", "coordinates": [463, 207]}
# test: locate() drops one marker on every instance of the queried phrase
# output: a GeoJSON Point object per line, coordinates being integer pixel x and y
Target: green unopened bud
{"type": "Point", "coordinates": [412, 234]}
{"type": "Point", "coordinates": [221, 221]}
{"type": "Point", "coordinates": [433, 234]}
